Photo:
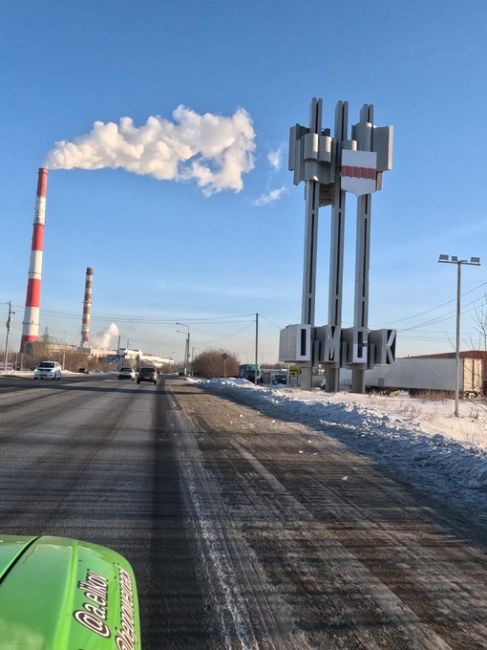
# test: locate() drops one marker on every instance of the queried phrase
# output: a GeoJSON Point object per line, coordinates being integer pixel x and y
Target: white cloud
{"type": "Point", "coordinates": [212, 150]}
{"type": "Point", "coordinates": [275, 157]}
{"type": "Point", "coordinates": [270, 197]}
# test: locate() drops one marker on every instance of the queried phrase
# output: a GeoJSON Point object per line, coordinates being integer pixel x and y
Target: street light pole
{"type": "Point", "coordinates": [192, 359]}
{"type": "Point", "coordinates": [186, 350]}
{"type": "Point", "coordinates": [474, 261]}
{"type": "Point", "coordinates": [8, 324]}
{"type": "Point", "coordinates": [256, 347]}
{"type": "Point", "coordinates": [457, 340]}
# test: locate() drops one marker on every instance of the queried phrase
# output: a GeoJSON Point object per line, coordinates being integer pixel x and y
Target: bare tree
{"type": "Point", "coordinates": [216, 363]}
{"type": "Point", "coordinates": [480, 323]}
{"type": "Point", "coordinates": [47, 351]}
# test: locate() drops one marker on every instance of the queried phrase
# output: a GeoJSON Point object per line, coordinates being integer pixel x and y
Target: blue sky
{"type": "Point", "coordinates": [164, 250]}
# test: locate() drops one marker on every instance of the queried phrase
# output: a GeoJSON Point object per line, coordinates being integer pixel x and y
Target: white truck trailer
{"type": "Point", "coordinates": [422, 375]}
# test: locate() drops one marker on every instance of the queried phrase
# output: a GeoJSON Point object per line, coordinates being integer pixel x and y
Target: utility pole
{"type": "Point", "coordinates": [474, 261]}
{"type": "Point", "coordinates": [8, 324]}
{"type": "Point", "coordinates": [186, 347]}
{"type": "Point", "coordinates": [187, 351]}
{"type": "Point", "coordinates": [256, 346]}
{"type": "Point", "coordinates": [192, 359]}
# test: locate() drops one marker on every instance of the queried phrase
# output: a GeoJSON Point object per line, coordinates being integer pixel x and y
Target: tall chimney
{"type": "Point", "coordinates": [30, 325]}
{"type": "Point", "coordinates": [85, 324]}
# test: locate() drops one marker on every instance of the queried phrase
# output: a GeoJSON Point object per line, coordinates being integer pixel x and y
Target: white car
{"type": "Point", "coordinates": [126, 373]}
{"type": "Point", "coordinates": [48, 370]}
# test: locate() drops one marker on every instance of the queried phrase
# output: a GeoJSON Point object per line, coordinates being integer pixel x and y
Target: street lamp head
{"type": "Point", "coordinates": [474, 261]}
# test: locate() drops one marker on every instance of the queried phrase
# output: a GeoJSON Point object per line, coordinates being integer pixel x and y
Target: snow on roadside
{"type": "Point", "coordinates": [29, 374]}
{"type": "Point", "coordinates": [398, 429]}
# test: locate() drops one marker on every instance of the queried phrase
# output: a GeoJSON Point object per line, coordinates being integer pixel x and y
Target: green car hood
{"type": "Point", "coordinates": [60, 594]}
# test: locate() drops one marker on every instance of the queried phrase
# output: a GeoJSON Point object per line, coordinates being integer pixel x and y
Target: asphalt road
{"type": "Point", "coordinates": [244, 531]}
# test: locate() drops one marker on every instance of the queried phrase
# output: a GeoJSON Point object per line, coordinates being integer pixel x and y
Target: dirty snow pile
{"type": "Point", "coordinates": [397, 430]}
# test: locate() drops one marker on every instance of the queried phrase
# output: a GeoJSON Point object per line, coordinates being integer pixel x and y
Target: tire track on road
{"type": "Point", "coordinates": [252, 613]}
{"type": "Point", "coordinates": [355, 573]}
{"type": "Point", "coordinates": [321, 542]}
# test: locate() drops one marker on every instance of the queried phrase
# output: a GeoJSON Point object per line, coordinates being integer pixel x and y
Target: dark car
{"type": "Point", "coordinates": [147, 373]}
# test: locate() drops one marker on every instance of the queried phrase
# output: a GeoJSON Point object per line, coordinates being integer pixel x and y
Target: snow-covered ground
{"type": "Point", "coordinates": [398, 430]}
{"type": "Point", "coordinates": [26, 373]}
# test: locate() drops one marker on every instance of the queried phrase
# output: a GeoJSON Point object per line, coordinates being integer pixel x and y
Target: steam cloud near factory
{"type": "Point", "coordinates": [104, 339]}
{"type": "Point", "coordinates": [213, 150]}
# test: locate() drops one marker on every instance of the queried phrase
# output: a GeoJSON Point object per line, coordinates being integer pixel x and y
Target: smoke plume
{"type": "Point", "coordinates": [104, 339]}
{"type": "Point", "coordinates": [212, 150]}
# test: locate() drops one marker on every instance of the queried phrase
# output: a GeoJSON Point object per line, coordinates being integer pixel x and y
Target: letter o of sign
{"type": "Point", "coordinates": [92, 623]}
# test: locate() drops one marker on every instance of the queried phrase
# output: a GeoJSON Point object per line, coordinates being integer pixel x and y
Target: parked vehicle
{"type": "Point", "coordinates": [422, 375]}
{"type": "Point", "coordinates": [86, 598]}
{"type": "Point", "coordinates": [126, 372]}
{"type": "Point", "coordinates": [48, 370]}
{"type": "Point", "coordinates": [273, 377]}
{"type": "Point", "coordinates": [147, 373]}
{"type": "Point", "coordinates": [247, 371]}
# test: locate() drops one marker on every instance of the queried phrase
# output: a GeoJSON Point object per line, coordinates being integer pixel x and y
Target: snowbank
{"type": "Point", "coordinates": [395, 429]}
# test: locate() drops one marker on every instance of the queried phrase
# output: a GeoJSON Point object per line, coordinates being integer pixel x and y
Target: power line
{"type": "Point", "coordinates": [210, 320]}
{"type": "Point", "coordinates": [279, 327]}
{"type": "Point", "coordinates": [227, 336]}
{"type": "Point", "coordinates": [443, 317]}
{"type": "Point", "coordinates": [427, 311]}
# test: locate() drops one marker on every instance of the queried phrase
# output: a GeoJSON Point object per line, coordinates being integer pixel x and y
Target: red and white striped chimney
{"type": "Point", "coordinates": [30, 328]}
{"type": "Point", "coordinates": [85, 324]}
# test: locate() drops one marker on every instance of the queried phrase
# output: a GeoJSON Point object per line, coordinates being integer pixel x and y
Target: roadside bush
{"type": "Point", "coordinates": [210, 364]}
{"type": "Point", "coordinates": [41, 351]}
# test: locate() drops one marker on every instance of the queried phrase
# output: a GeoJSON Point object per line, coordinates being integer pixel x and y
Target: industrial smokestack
{"type": "Point", "coordinates": [85, 324]}
{"type": "Point", "coordinates": [30, 325]}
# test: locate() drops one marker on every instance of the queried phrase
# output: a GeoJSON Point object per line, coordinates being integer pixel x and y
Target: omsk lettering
{"type": "Point", "coordinates": [93, 615]}
{"type": "Point", "coordinates": [125, 639]}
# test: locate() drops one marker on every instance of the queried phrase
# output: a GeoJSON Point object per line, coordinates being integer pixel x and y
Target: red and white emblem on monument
{"type": "Point", "coordinates": [359, 171]}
